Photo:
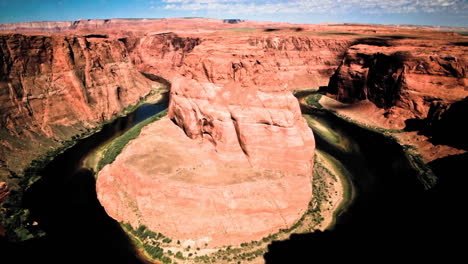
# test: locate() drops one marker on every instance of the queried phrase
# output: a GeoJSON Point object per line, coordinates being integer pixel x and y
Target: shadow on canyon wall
{"type": "Point", "coordinates": [444, 124]}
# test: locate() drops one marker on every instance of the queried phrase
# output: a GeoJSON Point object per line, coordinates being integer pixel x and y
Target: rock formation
{"type": "Point", "coordinates": [53, 87]}
{"type": "Point", "coordinates": [235, 143]}
{"type": "Point", "coordinates": [238, 165]}
{"type": "Point", "coordinates": [404, 77]}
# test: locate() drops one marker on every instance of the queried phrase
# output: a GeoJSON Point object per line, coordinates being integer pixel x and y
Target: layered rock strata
{"type": "Point", "coordinates": [402, 77]}
{"type": "Point", "coordinates": [53, 87]}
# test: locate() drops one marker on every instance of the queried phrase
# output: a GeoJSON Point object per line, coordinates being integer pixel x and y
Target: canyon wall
{"type": "Point", "coordinates": [230, 102]}
{"type": "Point", "coordinates": [42, 76]}
{"type": "Point", "coordinates": [54, 87]}
{"type": "Point", "coordinates": [231, 92]}
{"type": "Point", "coordinates": [296, 62]}
{"type": "Point", "coordinates": [65, 26]}
{"type": "Point", "coordinates": [404, 77]}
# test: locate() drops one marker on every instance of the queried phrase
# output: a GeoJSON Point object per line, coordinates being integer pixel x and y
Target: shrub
{"type": "Point", "coordinates": [179, 255]}
{"type": "Point", "coordinates": [118, 144]}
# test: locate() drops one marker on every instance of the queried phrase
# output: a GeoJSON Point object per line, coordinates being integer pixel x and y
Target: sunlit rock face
{"type": "Point", "coordinates": [54, 87]}
{"type": "Point", "coordinates": [231, 163]}
{"type": "Point", "coordinates": [404, 77]}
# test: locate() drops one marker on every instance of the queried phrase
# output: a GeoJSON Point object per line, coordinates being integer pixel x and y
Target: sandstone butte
{"type": "Point", "coordinates": [234, 142]}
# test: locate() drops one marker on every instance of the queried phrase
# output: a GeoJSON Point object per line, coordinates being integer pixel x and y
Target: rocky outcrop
{"type": "Point", "coordinates": [53, 87]}
{"type": "Point", "coordinates": [192, 191]}
{"type": "Point", "coordinates": [236, 162]}
{"type": "Point", "coordinates": [246, 164]}
{"type": "Point", "coordinates": [404, 78]}
{"type": "Point", "coordinates": [43, 75]}
{"type": "Point", "coordinates": [233, 163]}
{"type": "Point", "coordinates": [228, 116]}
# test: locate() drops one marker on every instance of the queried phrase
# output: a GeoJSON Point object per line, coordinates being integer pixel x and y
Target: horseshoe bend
{"type": "Point", "coordinates": [233, 160]}
{"type": "Point", "coordinates": [224, 179]}
{"type": "Point", "coordinates": [271, 129]}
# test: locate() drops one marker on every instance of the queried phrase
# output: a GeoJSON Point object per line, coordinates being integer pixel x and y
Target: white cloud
{"type": "Point", "coordinates": [320, 6]}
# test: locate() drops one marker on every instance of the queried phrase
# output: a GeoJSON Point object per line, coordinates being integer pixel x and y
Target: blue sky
{"type": "Point", "coordinates": [420, 12]}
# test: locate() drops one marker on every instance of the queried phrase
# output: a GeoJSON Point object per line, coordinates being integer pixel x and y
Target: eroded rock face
{"type": "Point", "coordinates": [191, 191]}
{"type": "Point", "coordinates": [234, 164]}
{"type": "Point", "coordinates": [247, 153]}
{"type": "Point", "coordinates": [53, 87]}
{"type": "Point", "coordinates": [92, 65]}
{"type": "Point", "coordinates": [237, 153]}
{"type": "Point", "coordinates": [402, 77]}
{"type": "Point", "coordinates": [294, 62]}
{"type": "Point", "coordinates": [264, 124]}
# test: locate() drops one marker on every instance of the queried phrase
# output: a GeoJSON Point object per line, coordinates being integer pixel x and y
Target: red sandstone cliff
{"type": "Point", "coordinates": [53, 87]}
{"type": "Point", "coordinates": [296, 62]}
{"type": "Point", "coordinates": [404, 77]}
{"type": "Point", "coordinates": [236, 86]}
{"type": "Point", "coordinates": [230, 102]}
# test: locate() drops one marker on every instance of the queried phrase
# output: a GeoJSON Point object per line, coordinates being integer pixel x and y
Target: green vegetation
{"type": "Point", "coordinates": [424, 173]}
{"type": "Point", "coordinates": [118, 144]}
{"type": "Point", "coordinates": [15, 219]}
{"type": "Point", "coordinates": [179, 255]}
{"type": "Point", "coordinates": [313, 100]}
{"type": "Point", "coordinates": [321, 192]}
{"type": "Point", "coordinates": [149, 241]}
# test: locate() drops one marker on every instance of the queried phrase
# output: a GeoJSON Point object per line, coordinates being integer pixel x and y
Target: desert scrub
{"type": "Point", "coordinates": [313, 100]}
{"type": "Point", "coordinates": [424, 173]}
{"type": "Point", "coordinates": [147, 240]}
{"type": "Point", "coordinates": [117, 145]}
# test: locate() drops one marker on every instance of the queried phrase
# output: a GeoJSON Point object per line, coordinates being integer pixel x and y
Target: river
{"type": "Point", "coordinates": [64, 201]}
{"type": "Point", "coordinates": [391, 216]}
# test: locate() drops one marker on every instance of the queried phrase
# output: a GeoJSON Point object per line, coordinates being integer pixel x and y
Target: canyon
{"type": "Point", "coordinates": [232, 162]}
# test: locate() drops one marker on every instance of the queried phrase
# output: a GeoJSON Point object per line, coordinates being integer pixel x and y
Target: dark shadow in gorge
{"type": "Point", "coordinates": [65, 203]}
{"type": "Point", "coordinates": [392, 217]}
{"type": "Point", "coordinates": [78, 229]}
{"type": "Point", "coordinates": [444, 125]}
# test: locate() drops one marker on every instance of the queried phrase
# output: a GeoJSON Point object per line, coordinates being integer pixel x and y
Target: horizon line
{"type": "Point", "coordinates": [265, 21]}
